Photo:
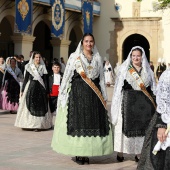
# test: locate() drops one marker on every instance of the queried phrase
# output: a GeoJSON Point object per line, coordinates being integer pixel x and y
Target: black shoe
{"type": "Point", "coordinates": [13, 112]}
{"type": "Point", "coordinates": [136, 159]}
{"type": "Point", "coordinates": [120, 159]}
{"type": "Point", "coordinates": [82, 160]}
{"type": "Point", "coordinates": [86, 160]}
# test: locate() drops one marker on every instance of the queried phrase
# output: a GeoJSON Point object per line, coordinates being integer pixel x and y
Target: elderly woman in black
{"type": "Point", "coordinates": [11, 86]}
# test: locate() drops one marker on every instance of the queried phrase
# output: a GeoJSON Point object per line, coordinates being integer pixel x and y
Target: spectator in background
{"type": "Point", "coordinates": [108, 73]}
{"type": "Point", "coordinates": [160, 69]}
{"type": "Point", "coordinates": [62, 61]}
{"type": "Point", "coordinates": [23, 63]}
{"type": "Point", "coordinates": [63, 65]}
{"type": "Point", "coordinates": [55, 60]}
{"type": "Point", "coordinates": [2, 69]}
{"type": "Point", "coordinates": [12, 83]}
{"type": "Point", "coordinates": [168, 67]}
{"type": "Point", "coordinates": [163, 64]}
{"type": "Point", "coordinates": [152, 66]}
{"type": "Point", "coordinates": [54, 84]}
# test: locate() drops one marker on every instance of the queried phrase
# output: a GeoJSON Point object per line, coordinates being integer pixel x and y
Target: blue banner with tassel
{"type": "Point", "coordinates": [23, 16]}
{"type": "Point", "coordinates": [58, 18]}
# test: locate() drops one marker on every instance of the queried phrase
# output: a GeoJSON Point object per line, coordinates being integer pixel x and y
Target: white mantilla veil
{"type": "Point", "coordinates": [69, 72]}
{"type": "Point", "coordinates": [7, 60]}
{"type": "Point", "coordinates": [121, 76]}
{"type": "Point", "coordinates": [42, 68]}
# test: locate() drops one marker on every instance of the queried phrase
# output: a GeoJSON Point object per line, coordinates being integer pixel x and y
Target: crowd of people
{"type": "Point", "coordinates": [26, 88]}
{"type": "Point", "coordinates": [139, 122]}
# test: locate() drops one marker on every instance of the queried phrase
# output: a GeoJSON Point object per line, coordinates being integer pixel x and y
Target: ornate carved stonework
{"type": "Point", "coordinates": [124, 27]}
{"type": "Point", "coordinates": [136, 9]}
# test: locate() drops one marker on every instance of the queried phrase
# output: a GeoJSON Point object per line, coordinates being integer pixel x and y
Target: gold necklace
{"type": "Point", "coordinates": [89, 67]}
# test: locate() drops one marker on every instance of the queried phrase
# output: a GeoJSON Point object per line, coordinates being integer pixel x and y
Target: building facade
{"type": "Point", "coordinates": [118, 25]}
{"type": "Point", "coordinates": [41, 40]}
{"type": "Point", "coordinates": [124, 24]}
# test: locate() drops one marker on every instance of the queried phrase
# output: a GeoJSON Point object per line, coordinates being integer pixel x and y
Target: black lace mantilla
{"type": "Point", "coordinates": [86, 114]}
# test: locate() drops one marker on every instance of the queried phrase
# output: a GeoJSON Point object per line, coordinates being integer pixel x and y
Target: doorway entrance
{"type": "Point", "coordinates": [135, 40]}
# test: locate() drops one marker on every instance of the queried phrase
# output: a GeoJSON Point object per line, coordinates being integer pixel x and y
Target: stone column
{"type": "Point", "coordinates": [60, 48]}
{"type": "Point", "coordinates": [23, 44]}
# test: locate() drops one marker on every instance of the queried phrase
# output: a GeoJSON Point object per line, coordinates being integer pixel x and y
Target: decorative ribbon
{"type": "Point", "coordinates": [36, 75]}
{"type": "Point", "coordinates": [10, 71]}
{"type": "Point", "coordinates": [140, 83]}
{"type": "Point", "coordinates": [81, 71]}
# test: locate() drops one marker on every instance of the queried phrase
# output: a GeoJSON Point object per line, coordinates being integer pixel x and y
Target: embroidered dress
{"type": "Point", "coordinates": [33, 111]}
{"type": "Point", "coordinates": [11, 88]}
{"type": "Point", "coordinates": [161, 119]}
{"type": "Point", "coordinates": [82, 125]}
{"type": "Point", "coordinates": [131, 110]}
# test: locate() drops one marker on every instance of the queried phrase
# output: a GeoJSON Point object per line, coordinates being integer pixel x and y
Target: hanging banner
{"type": "Point", "coordinates": [87, 11]}
{"type": "Point", "coordinates": [58, 18]}
{"type": "Point", "coordinates": [23, 16]}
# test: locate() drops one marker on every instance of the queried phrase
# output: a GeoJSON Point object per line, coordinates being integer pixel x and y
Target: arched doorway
{"type": "Point", "coordinates": [42, 41]}
{"type": "Point", "coordinates": [6, 44]}
{"type": "Point", "coordinates": [75, 36]}
{"type": "Point", "coordinates": [135, 40]}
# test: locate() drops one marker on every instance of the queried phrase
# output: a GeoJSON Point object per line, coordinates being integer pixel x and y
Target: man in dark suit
{"type": "Point", "coordinates": [54, 84]}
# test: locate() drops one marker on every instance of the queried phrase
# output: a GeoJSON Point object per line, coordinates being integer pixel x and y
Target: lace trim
{"type": "Point", "coordinates": [41, 69]}
{"type": "Point", "coordinates": [69, 72]}
{"type": "Point", "coordinates": [163, 96]}
{"type": "Point", "coordinates": [96, 122]}
{"type": "Point", "coordinates": [133, 83]}
{"type": "Point", "coordinates": [121, 76]}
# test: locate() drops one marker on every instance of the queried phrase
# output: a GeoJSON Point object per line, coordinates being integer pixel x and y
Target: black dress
{"type": "Point", "coordinates": [36, 97]}
{"type": "Point", "coordinates": [12, 89]}
{"type": "Point", "coordinates": [1, 78]}
{"type": "Point", "coordinates": [86, 114]}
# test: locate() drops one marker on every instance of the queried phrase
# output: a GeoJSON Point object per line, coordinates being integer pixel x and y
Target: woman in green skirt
{"type": "Point", "coordinates": [82, 126]}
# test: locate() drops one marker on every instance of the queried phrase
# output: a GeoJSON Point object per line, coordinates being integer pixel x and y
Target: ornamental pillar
{"type": "Point", "coordinates": [60, 48]}
{"type": "Point", "coordinates": [23, 44]}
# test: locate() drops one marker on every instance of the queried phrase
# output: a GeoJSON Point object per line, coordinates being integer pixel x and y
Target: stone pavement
{"type": "Point", "coordinates": [29, 150]}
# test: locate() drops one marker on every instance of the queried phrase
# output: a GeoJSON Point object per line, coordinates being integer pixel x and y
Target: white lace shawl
{"type": "Point", "coordinates": [18, 74]}
{"type": "Point", "coordinates": [163, 96]}
{"type": "Point", "coordinates": [121, 76]}
{"type": "Point", "coordinates": [69, 72]}
{"type": "Point", "coordinates": [41, 69]}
